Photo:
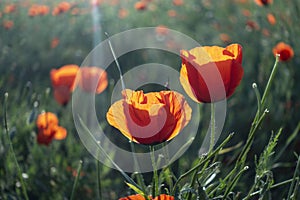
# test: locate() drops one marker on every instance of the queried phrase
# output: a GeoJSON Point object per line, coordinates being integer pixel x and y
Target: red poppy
{"type": "Point", "coordinates": [63, 82]}
{"type": "Point", "coordinates": [149, 118]}
{"type": "Point", "coordinates": [285, 51]}
{"type": "Point", "coordinates": [48, 128]}
{"type": "Point", "coordinates": [271, 18]}
{"type": "Point", "coordinates": [10, 8]}
{"type": "Point", "coordinates": [172, 13]}
{"type": "Point", "coordinates": [263, 2]}
{"type": "Point", "coordinates": [140, 5]}
{"type": "Point", "coordinates": [54, 42]}
{"type": "Point", "coordinates": [123, 13]}
{"type": "Point", "coordinates": [8, 24]}
{"type": "Point", "coordinates": [140, 197]}
{"type": "Point", "coordinates": [92, 79]}
{"type": "Point", "coordinates": [201, 61]}
{"type": "Point", "coordinates": [178, 2]}
{"type": "Point", "coordinates": [36, 10]}
{"type": "Point", "coordinates": [62, 7]}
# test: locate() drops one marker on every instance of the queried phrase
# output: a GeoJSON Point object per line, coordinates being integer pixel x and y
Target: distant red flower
{"type": "Point", "coordinates": [271, 18]}
{"type": "Point", "coordinates": [10, 8]}
{"type": "Point", "coordinates": [285, 51]}
{"type": "Point", "coordinates": [200, 60]}
{"type": "Point", "coordinates": [36, 10]}
{"type": "Point", "coordinates": [246, 13]}
{"type": "Point", "coordinates": [149, 118]}
{"type": "Point", "coordinates": [140, 5]}
{"type": "Point", "coordinates": [225, 37]}
{"type": "Point", "coordinates": [252, 25]}
{"type": "Point", "coordinates": [263, 2]}
{"type": "Point", "coordinates": [48, 128]}
{"type": "Point", "coordinates": [172, 13]}
{"type": "Point", "coordinates": [54, 43]}
{"type": "Point", "coordinates": [63, 82]}
{"type": "Point", "coordinates": [178, 2]}
{"type": "Point", "coordinates": [62, 7]}
{"type": "Point", "coordinates": [140, 197]}
{"type": "Point", "coordinates": [123, 13]}
{"type": "Point", "coordinates": [96, 2]}
{"type": "Point", "coordinates": [161, 30]}
{"type": "Point", "coordinates": [8, 24]}
{"type": "Point", "coordinates": [92, 79]}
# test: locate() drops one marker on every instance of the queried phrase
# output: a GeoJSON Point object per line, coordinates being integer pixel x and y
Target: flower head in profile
{"type": "Point", "coordinates": [63, 82]}
{"type": "Point", "coordinates": [263, 2]}
{"type": "Point", "coordinates": [199, 67]}
{"type": "Point", "coordinates": [140, 5]}
{"type": "Point", "coordinates": [92, 79]}
{"type": "Point", "coordinates": [285, 51]}
{"type": "Point", "coordinates": [140, 197]}
{"type": "Point", "coordinates": [149, 118]}
{"type": "Point", "coordinates": [48, 128]}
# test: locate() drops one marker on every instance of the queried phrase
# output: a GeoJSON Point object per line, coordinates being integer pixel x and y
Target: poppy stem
{"type": "Point", "coordinates": [99, 188]}
{"type": "Point", "coordinates": [12, 148]}
{"type": "Point", "coordinates": [76, 179]}
{"type": "Point", "coordinates": [212, 126]}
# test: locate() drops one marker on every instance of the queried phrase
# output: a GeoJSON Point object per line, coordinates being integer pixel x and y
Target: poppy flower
{"type": "Point", "coordinates": [36, 10]}
{"type": "Point", "coordinates": [271, 18]}
{"type": "Point", "coordinates": [161, 30]}
{"type": "Point", "coordinates": [263, 2]}
{"type": "Point", "coordinates": [200, 61]}
{"type": "Point", "coordinates": [92, 79]}
{"type": "Point", "coordinates": [63, 82]}
{"type": "Point", "coordinates": [62, 7]}
{"type": "Point", "coordinates": [178, 2]}
{"type": "Point", "coordinates": [48, 128]}
{"type": "Point", "coordinates": [172, 13]}
{"type": "Point", "coordinates": [54, 42]}
{"type": "Point", "coordinates": [285, 51]}
{"type": "Point", "coordinates": [10, 8]}
{"type": "Point", "coordinates": [123, 13]}
{"type": "Point", "coordinates": [8, 24]}
{"type": "Point", "coordinates": [149, 118]}
{"type": "Point", "coordinates": [140, 197]}
{"type": "Point", "coordinates": [140, 5]}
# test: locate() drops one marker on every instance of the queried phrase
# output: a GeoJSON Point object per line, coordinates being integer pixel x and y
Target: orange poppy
{"type": "Point", "coordinates": [46, 119]}
{"type": "Point", "coordinates": [161, 30]}
{"type": "Point", "coordinates": [200, 60]}
{"type": "Point", "coordinates": [92, 79]}
{"type": "Point", "coordinates": [123, 13]}
{"type": "Point", "coordinates": [178, 2]}
{"type": "Point", "coordinates": [172, 13]}
{"type": "Point", "coordinates": [263, 2]}
{"type": "Point", "coordinates": [10, 8]}
{"type": "Point", "coordinates": [62, 7]}
{"type": "Point", "coordinates": [271, 18]}
{"type": "Point", "coordinates": [140, 197]}
{"type": "Point", "coordinates": [36, 10]}
{"type": "Point", "coordinates": [48, 129]}
{"type": "Point", "coordinates": [285, 51]}
{"type": "Point", "coordinates": [140, 5]}
{"type": "Point", "coordinates": [63, 82]}
{"type": "Point", "coordinates": [54, 42]}
{"type": "Point", "coordinates": [8, 24]}
{"type": "Point", "coordinates": [149, 118]}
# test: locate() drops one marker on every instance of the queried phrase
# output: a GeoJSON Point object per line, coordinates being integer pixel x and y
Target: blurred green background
{"type": "Point", "coordinates": [30, 46]}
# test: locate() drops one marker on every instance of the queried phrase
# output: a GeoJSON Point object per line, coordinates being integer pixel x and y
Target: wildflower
{"type": "Point", "coordinates": [271, 18]}
{"type": "Point", "coordinates": [63, 82]}
{"type": "Point", "coordinates": [140, 5]}
{"type": "Point", "coordinates": [123, 13]}
{"type": "Point", "coordinates": [172, 13]}
{"type": "Point", "coordinates": [62, 7]}
{"type": "Point", "coordinates": [54, 42]}
{"type": "Point", "coordinates": [178, 2]}
{"type": "Point", "coordinates": [225, 37]}
{"type": "Point", "coordinates": [8, 24]}
{"type": "Point", "coordinates": [92, 79]}
{"type": "Point", "coordinates": [161, 30]}
{"type": "Point", "coordinates": [200, 60]}
{"type": "Point", "coordinates": [48, 128]}
{"type": "Point", "coordinates": [285, 51]}
{"type": "Point", "coordinates": [149, 118]}
{"type": "Point", "coordinates": [252, 25]}
{"type": "Point", "coordinates": [140, 197]}
{"type": "Point", "coordinates": [36, 10]}
{"type": "Point", "coordinates": [263, 2]}
{"type": "Point", "coordinates": [10, 8]}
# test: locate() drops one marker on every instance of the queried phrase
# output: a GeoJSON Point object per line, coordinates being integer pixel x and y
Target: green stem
{"type": "Point", "coordinates": [99, 188]}
{"type": "Point", "coordinates": [12, 149]}
{"type": "Point", "coordinates": [76, 179]}
{"type": "Point", "coordinates": [201, 161]}
{"type": "Point", "coordinates": [213, 126]}
{"type": "Point", "coordinates": [155, 186]}
{"type": "Point", "coordinates": [270, 81]}
{"type": "Point", "coordinates": [294, 179]}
